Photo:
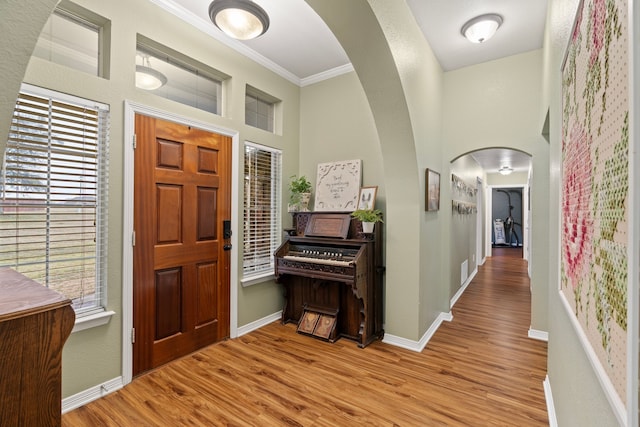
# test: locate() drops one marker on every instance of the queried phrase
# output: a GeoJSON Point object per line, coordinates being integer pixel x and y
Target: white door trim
{"type": "Point", "coordinates": [479, 221]}
{"type": "Point", "coordinates": [525, 215]}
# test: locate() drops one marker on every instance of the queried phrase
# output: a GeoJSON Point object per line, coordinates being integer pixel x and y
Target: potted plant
{"type": "Point", "coordinates": [300, 189]}
{"type": "Point", "coordinates": [368, 217]}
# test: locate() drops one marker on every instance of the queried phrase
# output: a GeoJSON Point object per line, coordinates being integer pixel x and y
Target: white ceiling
{"type": "Point", "coordinates": [301, 48]}
{"type": "Point", "coordinates": [493, 159]}
{"type": "Point", "coordinates": [522, 28]}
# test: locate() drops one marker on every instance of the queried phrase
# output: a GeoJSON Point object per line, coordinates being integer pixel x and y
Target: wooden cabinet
{"type": "Point", "coordinates": [34, 324]}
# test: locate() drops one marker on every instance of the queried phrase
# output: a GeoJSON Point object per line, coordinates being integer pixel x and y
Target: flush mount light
{"type": "Point", "coordinates": [240, 19]}
{"type": "Point", "coordinates": [505, 170]}
{"type": "Point", "coordinates": [147, 78]}
{"type": "Point", "coordinates": [481, 28]}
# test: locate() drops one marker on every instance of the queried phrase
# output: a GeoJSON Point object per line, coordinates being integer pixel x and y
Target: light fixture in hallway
{"type": "Point", "coordinates": [505, 170]}
{"type": "Point", "coordinates": [240, 19]}
{"type": "Point", "coordinates": [481, 28]}
{"type": "Point", "coordinates": [147, 78]}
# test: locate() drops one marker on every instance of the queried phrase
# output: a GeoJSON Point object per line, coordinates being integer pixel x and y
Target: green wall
{"type": "Point", "coordinates": [463, 227]}
{"type": "Point", "coordinates": [336, 123]}
{"type": "Point", "coordinates": [20, 24]}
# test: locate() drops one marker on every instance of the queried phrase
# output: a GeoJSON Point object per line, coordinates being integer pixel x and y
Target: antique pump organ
{"type": "Point", "coordinates": [332, 275]}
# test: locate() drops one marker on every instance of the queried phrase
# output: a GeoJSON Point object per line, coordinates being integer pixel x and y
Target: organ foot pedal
{"type": "Point", "coordinates": [319, 323]}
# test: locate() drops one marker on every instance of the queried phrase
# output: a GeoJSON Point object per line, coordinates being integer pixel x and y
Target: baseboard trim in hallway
{"type": "Point", "coordinates": [538, 335]}
{"type": "Point", "coordinates": [418, 346]}
{"type": "Point", "coordinates": [463, 287]}
{"type": "Point", "coordinates": [548, 396]}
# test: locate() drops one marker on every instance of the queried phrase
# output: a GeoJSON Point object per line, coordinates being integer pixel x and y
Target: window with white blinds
{"type": "Point", "coordinates": [262, 201]}
{"type": "Point", "coordinates": [53, 195]}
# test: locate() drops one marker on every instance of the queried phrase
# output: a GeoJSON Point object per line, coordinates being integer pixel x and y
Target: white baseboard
{"type": "Point", "coordinates": [418, 346]}
{"type": "Point", "coordinates": [548, 397]}
{"type": "Point", "coordinates": [250, 327]}
{"type": "Point", "coordinates": [538, 335]}
{"type": "Point", "coordinates": [89, 395]}
{"type": "Point", "coordinates": [463, 288]}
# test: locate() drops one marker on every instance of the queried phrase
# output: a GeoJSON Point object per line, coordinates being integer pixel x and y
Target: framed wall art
{"type": "Point", "coordinates": [367, 198]}
{"type": "Point", "coordinates": [432, 190]}
{"type": "Point", "coordinates": [338, 186]}
{"type": "Point", "coordinates": [595, 189]}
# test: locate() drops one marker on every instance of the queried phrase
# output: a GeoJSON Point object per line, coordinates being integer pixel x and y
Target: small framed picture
{"type": "Point", "coordinates": [432, 202]}
{"type": "Point", "coordinates": [367, 198]}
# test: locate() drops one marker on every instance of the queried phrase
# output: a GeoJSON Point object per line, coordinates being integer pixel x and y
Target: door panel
{"type": "Point", "coordinates": [181, 271]}
{"type": "Point", "coordinates": [168, 291]}
{"type": "Point", "coordinates": [206, 210]}
{"type": "Point", "coordinates": [207, 294]}
{"type": "Point", "coordinates": [169, 214]}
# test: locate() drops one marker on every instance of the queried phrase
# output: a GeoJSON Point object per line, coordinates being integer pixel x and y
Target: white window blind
{"type": "Point", "coordinates": [262, 201]}
{"type": "Point", "coordinates": [53, 194]}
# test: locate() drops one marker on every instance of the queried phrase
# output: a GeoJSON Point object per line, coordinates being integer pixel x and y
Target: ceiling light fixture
{"type": "Point", "coordinates": [147, 78]}
{"type": "Point", "coordinates": [505, 170]}
{"type": "Point", "coordinates": [240, 19]}
{"type": "Point", "coordinates": [481, 28]}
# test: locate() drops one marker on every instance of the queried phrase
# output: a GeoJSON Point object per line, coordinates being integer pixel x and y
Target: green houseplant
{"type": "Point", "coordinates": [300, 193]}
{"type": "Point", "coordinates": [368, 217]}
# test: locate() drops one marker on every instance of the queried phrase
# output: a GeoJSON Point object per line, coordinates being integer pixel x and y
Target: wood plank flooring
{"type": "Point", "coordinates": [479, 370]}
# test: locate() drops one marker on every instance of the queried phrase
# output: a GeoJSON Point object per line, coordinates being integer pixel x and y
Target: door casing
{"type": "Point", "coordinates": [131, 109]}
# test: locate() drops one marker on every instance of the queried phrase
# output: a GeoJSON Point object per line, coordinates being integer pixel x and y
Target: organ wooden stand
{"type": "Point", "coordinates": [332, 275]}
{"type": "Point", "coordinates": [34, 324]}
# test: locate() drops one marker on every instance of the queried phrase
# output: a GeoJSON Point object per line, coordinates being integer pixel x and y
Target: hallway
{"type": "Point", "coordinates": [481, 369]}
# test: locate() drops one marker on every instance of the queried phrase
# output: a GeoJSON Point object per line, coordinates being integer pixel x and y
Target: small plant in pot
{"type": "Point", "coordinates": [300, 189]}
{"type": "Point", "coordinates": [368, 217]}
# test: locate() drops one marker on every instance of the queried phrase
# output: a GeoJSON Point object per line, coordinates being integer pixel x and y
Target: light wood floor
{"type": "Point", "coordinates": [479, 370]}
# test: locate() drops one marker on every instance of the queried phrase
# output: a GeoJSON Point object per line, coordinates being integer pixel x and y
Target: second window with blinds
{"type": "Point", "coordinates": [262, 228]}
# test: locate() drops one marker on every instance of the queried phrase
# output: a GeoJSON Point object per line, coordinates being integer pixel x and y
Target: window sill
{"type": "Point", "coordinates": [257, 279]}
{"type": "Point", "coordinates": [92, 320]}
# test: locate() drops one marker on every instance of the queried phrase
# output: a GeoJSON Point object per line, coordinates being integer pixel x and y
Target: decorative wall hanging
{"type": "Point", "coordinates": [595, 184]}
{"type": "Point", "coordinates": [338, 186]}
{"type": "Point", "coordinates": [462, 187]}
{"type": "Point", "coordinates": [432, 202]}
{"type": "Point", "coordinates": [463, 208]}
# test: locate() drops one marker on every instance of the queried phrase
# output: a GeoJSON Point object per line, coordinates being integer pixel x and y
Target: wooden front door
{"type": "Point", "coordinates": [182, 196]}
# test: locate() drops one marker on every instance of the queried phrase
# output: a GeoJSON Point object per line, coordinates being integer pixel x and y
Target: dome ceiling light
{"type": "Point", "coordinates": [481, 28]}
{"type": "Point", "coordinates": [505, 170]}
{"type": "Point", "coordinates": [240, 19]}
{"type": "Point", "coordinates": [147, 78]}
